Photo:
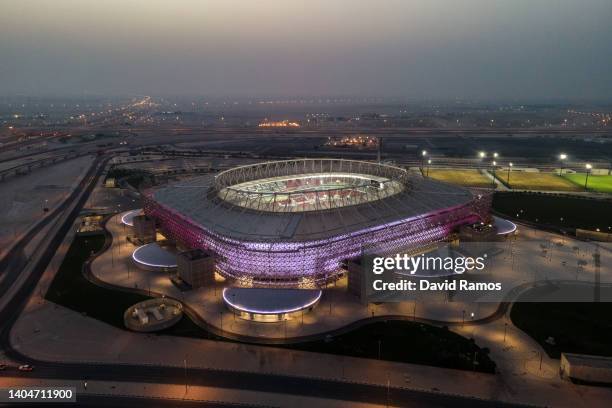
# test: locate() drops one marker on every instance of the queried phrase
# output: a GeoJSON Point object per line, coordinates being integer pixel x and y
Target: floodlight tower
{"type": "Point", "coordinates": [562, 158]}
{"type": "Point", "coordinates": [423, 155]}
{"type": "Point", "coordinates": [509, 170]}
{"type": "Point", "coordinates": [588, 167]}
{"type": "Point", "coordinates": [493, 164]}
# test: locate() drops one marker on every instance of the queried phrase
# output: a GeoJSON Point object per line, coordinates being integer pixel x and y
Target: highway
{"type": "Point", "coordinates": [10, 264]}
{"type": "Point", "coordinates": [278, 384]}
{"type": "Point", "coordinates": [130, 402]}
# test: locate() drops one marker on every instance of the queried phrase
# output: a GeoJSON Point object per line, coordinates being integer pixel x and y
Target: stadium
{"type": "Point", "coordinates": [295, 223]}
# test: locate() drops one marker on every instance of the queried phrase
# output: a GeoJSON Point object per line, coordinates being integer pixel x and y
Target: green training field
{"type": "Point", "coordinates": [599, 183]}
{"type": "Point", "coordinates": [522, 180]}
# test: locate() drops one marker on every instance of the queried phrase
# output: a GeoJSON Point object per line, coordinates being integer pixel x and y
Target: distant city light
{"type": "Point", "coordinates": [358, 141]}
{"type": "Point", "coordinates": [283, 123]}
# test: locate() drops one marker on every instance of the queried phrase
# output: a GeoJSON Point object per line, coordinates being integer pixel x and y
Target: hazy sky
{"type": "Point", "coordinates": [487, 49]}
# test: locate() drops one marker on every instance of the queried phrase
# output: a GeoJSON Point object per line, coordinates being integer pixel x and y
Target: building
{"type": "Point", "coordinates": [196, 267]}
{"type": "Point", "coordinates": [270, 305]}
{"type": "Point", "coordinates": [586, 368]}
{"type": "Point", "coordinates": [357, 281]}
{"type": "Point", "coordinates": [294, 223]}
{"type": "Point", "coordinates": [144, 228]}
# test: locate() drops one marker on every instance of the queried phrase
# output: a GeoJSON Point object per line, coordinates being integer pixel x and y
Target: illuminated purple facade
{"type": "Point", "coordinates": [308, 248]}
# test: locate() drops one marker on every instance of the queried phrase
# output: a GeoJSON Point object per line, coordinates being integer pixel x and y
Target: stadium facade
{"type": "Point", "coordinates": [293, 223]}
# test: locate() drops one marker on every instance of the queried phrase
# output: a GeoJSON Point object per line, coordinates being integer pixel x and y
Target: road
{"type": "Point", "coordinates": [130, 402]}
{"type": "Point", "coordinates": [12, 264]}
{"type": "Point", "coordinates": [278, 384]}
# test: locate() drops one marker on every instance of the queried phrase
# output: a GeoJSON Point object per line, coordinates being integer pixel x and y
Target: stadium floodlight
{"type": "Point", "coordinates": [509, 170]}
{"type": "Point", "coordinates": [562, 157]}
{"type": "Point", "coordinates": [588, 171]}
{"type": "Point", "coordinates": [493, 164]}
{"type": "Point", "coordinates": [423, 154]}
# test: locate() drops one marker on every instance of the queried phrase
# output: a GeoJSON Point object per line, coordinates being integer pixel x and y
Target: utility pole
{"type": "Point", "coordinates": [185, 364]}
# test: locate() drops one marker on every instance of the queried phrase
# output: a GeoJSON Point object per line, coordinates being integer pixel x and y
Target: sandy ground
{"type": "Point", "coordinates": [23, 198]}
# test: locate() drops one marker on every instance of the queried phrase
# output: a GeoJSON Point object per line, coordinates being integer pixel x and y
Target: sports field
{"type": "Point", "coordinates": [463, 177]}
{"type": "Point", "coordinates": [599, 183]}
{"type": "Point", "coordinates": [522, 180]}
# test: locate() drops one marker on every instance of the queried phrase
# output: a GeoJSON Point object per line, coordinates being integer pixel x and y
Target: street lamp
{"type": "Point", "coordinates": [509, 169]}
{"type": "Point", "coordinates": [482, 155]}
{"type": "Point", "coordinates": [428, 166]}
{"type": "Point", "coordinates": [495, 155]}
{"type": "Point", "coordinates": [588, 171]}
{"type": "Point", "coordinates": [493, 164]}
{"type": "Point", "coordinates": [234, 301]}
{"type": "Point", "coordinates": [423, 154]}
{"type": "Point", "coordinates": [505, 330]}
{"type": "Point", "coordinates": [562, 157]}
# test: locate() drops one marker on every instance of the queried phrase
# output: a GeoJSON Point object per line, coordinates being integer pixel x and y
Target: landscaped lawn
{"type": "Point", "coordinates": [522, 180]}
{"type": "Point", "coordinates": [70, 289]}
{"type": "Point", "coordinates": [584, 328]}
{"type": "Point", "coordinates": [407, 342]}
{"type": "Point", "coordinates": [463, 177]}
{"type": "Point", "coordinates": [601, 183]}
{"type": "Point", "coordinates": [558, 211]}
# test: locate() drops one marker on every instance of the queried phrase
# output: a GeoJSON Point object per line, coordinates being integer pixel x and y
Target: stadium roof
{"type": "Point", "coordinates": [197, 200]}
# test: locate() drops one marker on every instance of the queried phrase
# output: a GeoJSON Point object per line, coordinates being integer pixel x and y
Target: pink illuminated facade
{"type": "Point", "coordinates": [308, 248]}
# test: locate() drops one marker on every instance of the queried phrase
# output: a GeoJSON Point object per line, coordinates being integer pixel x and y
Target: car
{"type": "Point", "coordinates": [25, 367]}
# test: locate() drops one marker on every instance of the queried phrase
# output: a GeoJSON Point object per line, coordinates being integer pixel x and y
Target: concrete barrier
{"type": "Point", "coordinates": [586, 368]}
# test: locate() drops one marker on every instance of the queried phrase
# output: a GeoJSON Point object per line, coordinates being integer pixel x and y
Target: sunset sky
{"type": "Point", "coordinates": [486, 49]}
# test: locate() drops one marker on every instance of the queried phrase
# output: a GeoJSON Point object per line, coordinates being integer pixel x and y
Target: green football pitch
{"type": "Point", "coordinates": [601, 183]}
